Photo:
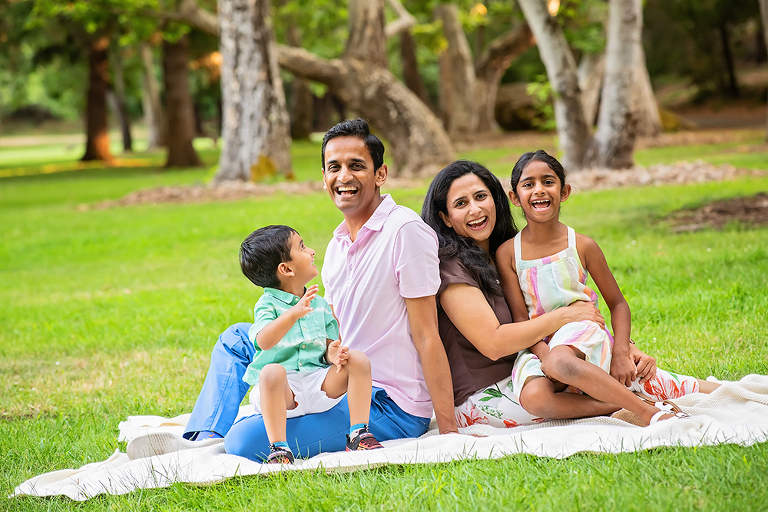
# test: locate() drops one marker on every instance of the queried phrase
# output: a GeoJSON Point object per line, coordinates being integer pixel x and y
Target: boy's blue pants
{"type": "Point", "coordinates": [224, 388]}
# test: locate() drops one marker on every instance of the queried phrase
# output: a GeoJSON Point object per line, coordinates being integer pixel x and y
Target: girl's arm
{"type": "Point", "coordinates": [623, 368]}
{"type": "Point", "coordinates": [470, 312]}
{"type": "Point", "coordinates": [505, 264]}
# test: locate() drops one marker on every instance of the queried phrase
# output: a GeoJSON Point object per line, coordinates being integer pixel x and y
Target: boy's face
{"type": "Point", "coordinates": [302, 259]}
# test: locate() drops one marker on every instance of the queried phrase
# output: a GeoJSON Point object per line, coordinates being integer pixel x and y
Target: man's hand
{"type": "Point", "coordinates": [337, 355]}
{"type": "Point", "coordinates": [646, 365]}
{"type": "Point", "coordinates": [623, 369]}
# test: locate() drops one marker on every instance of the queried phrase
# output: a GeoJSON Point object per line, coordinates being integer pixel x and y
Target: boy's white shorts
{"type": "Point", "coordinates": [306, 387]}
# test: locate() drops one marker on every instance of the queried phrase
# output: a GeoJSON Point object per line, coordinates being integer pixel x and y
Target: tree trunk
{"type": "Point", "coordinates": [764, 19]}
{"type": "Point", "coordinates": [725, 41]}
{"type": "Point", "coordinates": [256, 127]}
{"type": "Point", "coordinates": [360, 78]}
{"type": "Point", "coordinates": [644, 101]}
{"type": "Point", "coordinates": [96, 127]}
{"type": "Point", "coordinates": [420, 145]}
{"type": "Point", "coordinates": [121, 108]}
{"type": "Point", "coordinates": [463, 117]}
{"type": "Point", "coordinates": [181, 122]}
{"type": "Point", "coordinates": [489, 69]}
{"type": "Point", "coordinates": [150, 97]}
{"type": "Point", "coordinates": [411, 75]}
{"type": "Point", "coordinates": [573, 132]}
{"type": "Point", "coordinates": [302, 100]}
{"type": "Point", "coordinates": [445, 92]}
{"type": "Point", "coordinates": [590, 73]}
{"type": "Point", "coordinates": [617, 125]}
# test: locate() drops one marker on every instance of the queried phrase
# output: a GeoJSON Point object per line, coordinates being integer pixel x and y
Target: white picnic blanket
{"type": "Point", "coordinates": [735, 413]}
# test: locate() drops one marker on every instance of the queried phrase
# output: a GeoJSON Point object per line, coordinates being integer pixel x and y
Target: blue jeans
{"type": "Point", "coordinates": [223, 390]}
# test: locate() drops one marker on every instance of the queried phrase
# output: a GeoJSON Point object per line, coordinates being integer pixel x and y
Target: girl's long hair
{"type": "Point", "coordinates": [472, 257]}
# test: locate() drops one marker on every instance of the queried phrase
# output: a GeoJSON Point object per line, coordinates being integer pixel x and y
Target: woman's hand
{"type": "Point", "coordinates": [582, 311]}
{"type": "Point", "coordinates": [646, 365]}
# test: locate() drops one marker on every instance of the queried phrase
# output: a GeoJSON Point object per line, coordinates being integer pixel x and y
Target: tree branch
{"type": "Point", "coordinates": [403, 22]}
{"type": "Point", "coordinates": [307, 65]}
{"type": "Point", "coordinates": [191, 13]}
{"type": "Point", "coordinates": [503, 50]}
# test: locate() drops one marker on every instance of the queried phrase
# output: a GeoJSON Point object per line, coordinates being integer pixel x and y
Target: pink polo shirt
{"type": "Point", "coordinates": [393, 257]}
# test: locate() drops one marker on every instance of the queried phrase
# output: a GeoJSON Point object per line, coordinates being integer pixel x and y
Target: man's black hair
{"type": "Point", "coordinates": [263, 251]}
{"type": "Point", "coordinates": [357, 128]}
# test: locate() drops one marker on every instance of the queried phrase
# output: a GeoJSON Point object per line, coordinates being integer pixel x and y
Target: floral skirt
{"type": "Point", "coordinates": [496, 405]}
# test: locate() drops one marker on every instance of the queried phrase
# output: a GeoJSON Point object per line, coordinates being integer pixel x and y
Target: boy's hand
{"type": "Point", "coordinates": [336, 354]}
{"type": "Point", "coordinates": [303, 307]}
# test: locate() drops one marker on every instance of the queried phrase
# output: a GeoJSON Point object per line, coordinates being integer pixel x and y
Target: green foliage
{"type": "Point", "coordinates": [541, 90]}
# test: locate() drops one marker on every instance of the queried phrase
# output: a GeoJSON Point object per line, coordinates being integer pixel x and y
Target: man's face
{"type": "Point", "coordinates": [350, 178]}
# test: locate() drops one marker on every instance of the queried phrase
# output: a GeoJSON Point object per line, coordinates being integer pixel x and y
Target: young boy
{"type": "Point", "coordinates": [300, 366]}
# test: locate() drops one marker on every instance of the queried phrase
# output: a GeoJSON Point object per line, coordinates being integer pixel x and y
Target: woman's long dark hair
{"type": "Point", "coordinates": [474, 259]}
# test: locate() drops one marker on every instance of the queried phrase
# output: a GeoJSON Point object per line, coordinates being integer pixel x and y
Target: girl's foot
{"type": "Point", "coordinates": [665, 414]}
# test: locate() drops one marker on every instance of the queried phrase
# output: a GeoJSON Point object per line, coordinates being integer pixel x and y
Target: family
{"type": "Point", "coordinates": [455, 314]}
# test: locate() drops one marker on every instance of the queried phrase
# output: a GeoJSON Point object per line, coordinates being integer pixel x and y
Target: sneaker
{"type": "Point", "coordinates": [279, 455]}
{"type": "Point", "coordinates": [364, 440]}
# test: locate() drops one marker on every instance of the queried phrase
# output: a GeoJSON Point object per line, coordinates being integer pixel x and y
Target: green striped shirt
{"type": "Point", "coordinates": [303, 347]}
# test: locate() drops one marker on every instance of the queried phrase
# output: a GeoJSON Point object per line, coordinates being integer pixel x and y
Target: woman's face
{"type": "Point", "coordinates": [471, 210]}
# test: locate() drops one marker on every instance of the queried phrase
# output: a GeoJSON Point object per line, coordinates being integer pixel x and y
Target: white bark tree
{"type": "Point", "coordinates": [360, 77]}
{"type": "Point", "coordinates": [255, 122]}
{"type": "Point", "coordinates": [150, 97]}
{"type": "Point", "coordinates": [617, 122]}
{"type": "Point", "coordinates": [612, 145]}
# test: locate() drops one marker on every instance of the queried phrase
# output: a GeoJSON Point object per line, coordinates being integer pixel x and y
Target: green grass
{"type": "Point", "coordinates": [106, 313]}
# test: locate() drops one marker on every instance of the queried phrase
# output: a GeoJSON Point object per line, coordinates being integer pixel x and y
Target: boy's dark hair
{"type": "Point", "coordinates": [357, 128]}
{"type": "Point", "coordinates": [263, 251]}
{"type": "Point", "coordinates": [536, 156]}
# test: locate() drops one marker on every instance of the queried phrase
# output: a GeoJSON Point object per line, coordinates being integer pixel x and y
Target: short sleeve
{"type": "Point", "coordinates": [451, 272]}
{"type": "Point", "coordinates": [263, 314]}
{"type": "Point", "coordinates": [417, 267]}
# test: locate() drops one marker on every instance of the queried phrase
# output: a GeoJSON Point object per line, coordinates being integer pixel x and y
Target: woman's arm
{"type": "Point", "coordinates": [623, 367]}
{"type": "Point", "coordinates": [470, 312]}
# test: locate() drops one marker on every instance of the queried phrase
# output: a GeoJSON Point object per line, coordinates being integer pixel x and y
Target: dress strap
{"type": "Point", "coordinates": [571, 237]}
{"type": "Point", "coordinates": [518, 251]}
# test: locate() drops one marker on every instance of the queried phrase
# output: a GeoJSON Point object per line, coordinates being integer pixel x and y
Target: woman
{"type": "Point", "coordinates": [468, 209]}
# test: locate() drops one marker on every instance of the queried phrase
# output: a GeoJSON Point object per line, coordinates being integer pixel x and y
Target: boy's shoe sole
{"type": "Point", "coordinates": [161, 443]}
{"type": "Point", "coordinates": [363, 441]}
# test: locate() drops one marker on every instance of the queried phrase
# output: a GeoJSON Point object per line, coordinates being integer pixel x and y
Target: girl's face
{"type": "Point", "coordinates": [471, 210]}
{"type": "Point", "coordinates": [539, 193]}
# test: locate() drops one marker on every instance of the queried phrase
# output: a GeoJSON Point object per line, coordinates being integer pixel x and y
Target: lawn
{"type": "Point", "coordinates": [106, 313]}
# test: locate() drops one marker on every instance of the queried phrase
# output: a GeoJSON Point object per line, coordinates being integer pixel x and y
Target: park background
{"type": "Point", "coordinates": [141, 141]}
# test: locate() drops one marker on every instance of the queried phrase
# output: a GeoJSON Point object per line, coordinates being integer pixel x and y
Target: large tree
{"type": "Point", "coordinates": [471, 86]}
{"type": "Point", "coordinates": [255, 120]}
{"type": "Point", "coordinates": [361, 78]}
{"type": "Point", "coordinates": [612, 145]}
{"type": "Point", "coordinates": [179, 110]}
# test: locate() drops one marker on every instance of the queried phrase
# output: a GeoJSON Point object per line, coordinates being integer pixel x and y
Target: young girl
{"type": "Point", "coordinates": [545, 267]}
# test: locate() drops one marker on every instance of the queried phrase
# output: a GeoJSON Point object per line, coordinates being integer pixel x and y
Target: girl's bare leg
{"type": "Point", "coordinates": [276, 398]}
{"type": "Point", "coordinates": [539, 398]}
{"type": "Point", "coordinates": [707, 387]}
{"type": "Point", "coordinates": [564, 365]}
{"type": "Point", "coordinates": [355, 380]}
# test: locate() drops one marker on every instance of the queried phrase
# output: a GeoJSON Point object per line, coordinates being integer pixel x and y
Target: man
{"type": "Point", "coordinates": [380, 275]}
